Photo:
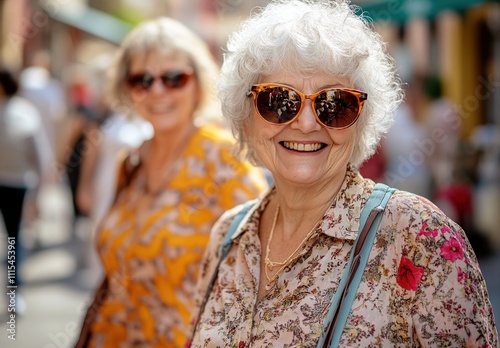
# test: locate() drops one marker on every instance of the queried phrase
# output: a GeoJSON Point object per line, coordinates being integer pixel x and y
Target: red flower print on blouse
{"type": "Point", "coordinates": [445, 229]}
{"type": "Point", "coordinates": [452, 250]}
{"type": "Point", "coordinates": [462, 277]}
{"type": "Point", "coordinates": [409, 275]}
{"type": "Point", "coordinates": [425, 233]}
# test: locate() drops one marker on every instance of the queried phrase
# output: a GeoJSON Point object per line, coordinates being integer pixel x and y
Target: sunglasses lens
{"type": "Point", "coordinates": [175, 79]}
{"type": "Point", "coordinates": [337, 108]}
{"type": "Point", "coordinates": [172, 80]}
{"type": "Point", "coordinates": [277, 104]}
{"type": "Point", "coordinates": [144, 81]}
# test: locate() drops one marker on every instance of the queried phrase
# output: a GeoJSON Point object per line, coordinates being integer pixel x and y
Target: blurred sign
{"type": "Point", "coordinates": [92, 21]}
{"type": "Point", "coordinates": [401, 10]}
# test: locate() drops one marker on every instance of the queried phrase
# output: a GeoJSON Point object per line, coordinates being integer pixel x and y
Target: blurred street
{"type": "Point", "coordinates": [59, 280]}
{"type": "Point", "coordinates": [59, 276]}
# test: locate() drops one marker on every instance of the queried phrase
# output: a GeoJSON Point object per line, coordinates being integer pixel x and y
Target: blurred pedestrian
{"type": "Point", "coordinates": [453, 172]}
{"type": "Point", "coordinates": [37, 84]}
{"type": "Point", "coordinates": [407, 162]}
{"type": "Point", "coordinates": [24, 147]}
{"type": "Point", "coordinates": [169, 193]}
{"type": "Point", "coordinates": [46, 93]}
{"type": "Point", "coordinates": [442, 144]}
{"type": "Point", "coordinates": [82, 129]}
{"type": "Point", "coordinates": [485, 145]}
{"type": "Point", "coordinates": [281, 271]}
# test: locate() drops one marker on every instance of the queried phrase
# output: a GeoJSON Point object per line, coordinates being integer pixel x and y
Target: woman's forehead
{"type": "Point", "coordinates": [300, 81]}
{"type": "Point", "coordinates": [155, 59]}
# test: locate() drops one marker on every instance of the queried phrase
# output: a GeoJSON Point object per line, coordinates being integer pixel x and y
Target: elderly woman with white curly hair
{"type": "Point", "coordinates": [327, 257]}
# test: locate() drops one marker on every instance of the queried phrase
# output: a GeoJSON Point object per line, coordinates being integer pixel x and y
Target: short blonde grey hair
{"type": "Point", "coordinates": [305, 37]}
{"type": "Point", "coordinates": [169, 37]}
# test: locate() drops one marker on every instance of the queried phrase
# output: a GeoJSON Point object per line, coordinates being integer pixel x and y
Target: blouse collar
{"type": "Point", "coordinates": [341, 219]}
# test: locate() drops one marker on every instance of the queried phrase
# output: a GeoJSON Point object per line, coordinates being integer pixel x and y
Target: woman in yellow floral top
{"type": "Point", "coordinates": [309, 90]}
{"type": "Point", "coordinates": [170, 192]}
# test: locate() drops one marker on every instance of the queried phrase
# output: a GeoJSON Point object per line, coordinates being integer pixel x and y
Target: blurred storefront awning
{"type": "Point", "coordinates": [87, 19]}
{"type": "Point", "coordinates": [400, 11]}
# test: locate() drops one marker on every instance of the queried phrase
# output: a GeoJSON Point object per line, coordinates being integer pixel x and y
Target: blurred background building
{"type": "Point", "coordinates": [448, 147]}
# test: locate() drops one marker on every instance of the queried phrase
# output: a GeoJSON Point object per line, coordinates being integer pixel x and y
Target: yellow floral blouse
{"type": "Point", "coordinates": [422, 286]}
{"type": "Point", "coordinates": [151, 260]}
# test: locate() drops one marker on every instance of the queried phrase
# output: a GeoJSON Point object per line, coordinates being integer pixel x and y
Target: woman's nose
{"type": "Point", "coordinates": [158, 86]}
{"type": "Point", "coordinates": [306, 122]}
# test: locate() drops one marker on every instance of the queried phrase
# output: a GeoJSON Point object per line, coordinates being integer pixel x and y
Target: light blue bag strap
{"type": "Point", "coordinates": [228, 241]}
{"type": "Point", "coordinates": [344, 297]}
{"type": "Point", "coordinates": [224, 250]}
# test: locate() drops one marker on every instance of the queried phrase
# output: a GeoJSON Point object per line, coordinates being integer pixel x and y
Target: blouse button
{"type": "Point", "coordinates": [241, 344]}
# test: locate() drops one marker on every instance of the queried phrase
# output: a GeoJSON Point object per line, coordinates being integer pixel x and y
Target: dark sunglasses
{"type": "Point", "coordinates": [170, 80]}
{"type": "Point", "coordinates": [335, 108]}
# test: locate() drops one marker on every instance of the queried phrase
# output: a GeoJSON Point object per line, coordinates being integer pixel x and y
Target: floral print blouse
{"type": "Point", "coordinates": [151, 260]}
{"type": "Point", "coordinates": [422, 286]}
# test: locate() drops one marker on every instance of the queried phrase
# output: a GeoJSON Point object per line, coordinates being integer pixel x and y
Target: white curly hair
{"type": "Point", "coordinates": [305, 37]}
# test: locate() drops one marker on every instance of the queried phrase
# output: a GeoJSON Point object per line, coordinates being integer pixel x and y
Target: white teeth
{"type": "Point", "coordinates": [302, 147]}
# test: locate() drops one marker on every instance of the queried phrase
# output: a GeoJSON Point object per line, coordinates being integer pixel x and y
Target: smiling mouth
{"type": "Point", "coordinates": [302, 147]}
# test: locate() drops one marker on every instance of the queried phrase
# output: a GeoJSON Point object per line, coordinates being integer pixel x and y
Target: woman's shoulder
{"type": "Point", "coordinates": [415, 207]}
{"type": "Point", "coordinates": [242, 213]}
{"type": "Point", "coordinates": [242, 217]}
{"type": "Point", "coordinates": [419, 222]}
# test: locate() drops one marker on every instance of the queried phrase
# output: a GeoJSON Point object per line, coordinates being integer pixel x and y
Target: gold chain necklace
{"type": "Point", "coordinates": [269, 265]}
